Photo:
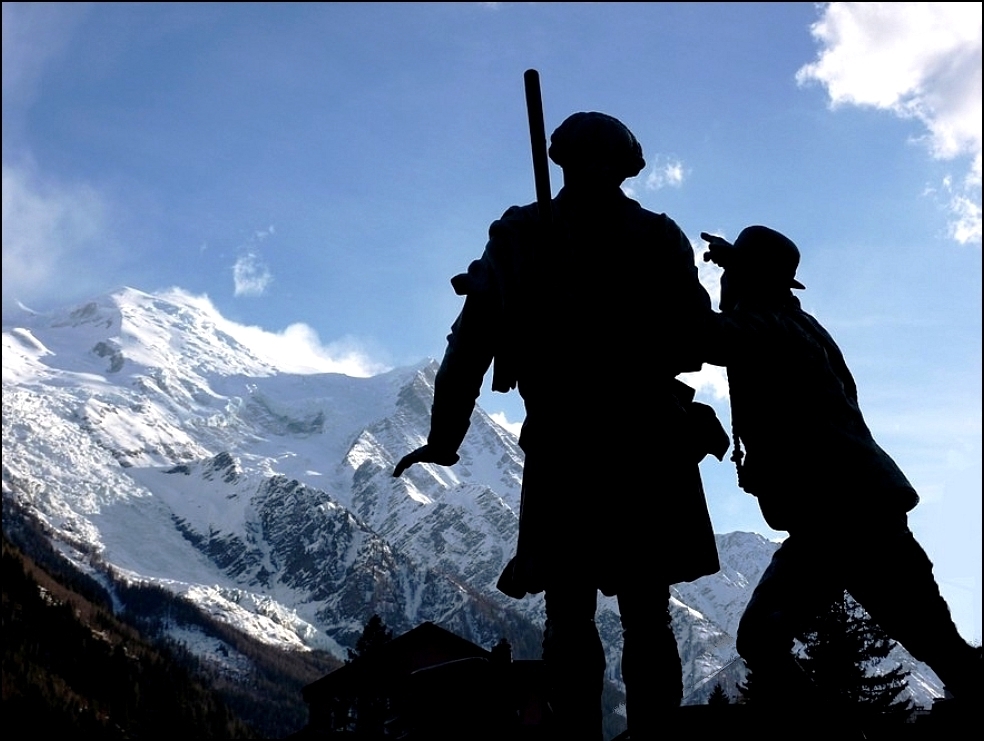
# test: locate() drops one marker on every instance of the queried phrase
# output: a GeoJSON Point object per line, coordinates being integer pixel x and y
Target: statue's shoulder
{"type": "Point", "coordinates": [511, 235]}
{"type": "Point", "coordinates": [503, 255]}
{"type": "Point", "coordinates": [663, 223]}
{"type": "Point", "coordinates": [650, 220]}
{"type": "Point", "coordinates": [514, 218]}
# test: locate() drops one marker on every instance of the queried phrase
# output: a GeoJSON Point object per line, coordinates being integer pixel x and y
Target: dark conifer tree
{"type": "Point", "coordinates": [375, 634]}
{"type": "Point", "coordinates": [370, 711]}
{"type": "Point", "coordinates": [844, 653]}
{"type": "Point", "coordinates": [718, 696]}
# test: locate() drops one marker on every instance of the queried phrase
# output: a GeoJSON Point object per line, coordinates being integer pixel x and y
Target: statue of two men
{"type": "Point", "coordinates": [592, 319]}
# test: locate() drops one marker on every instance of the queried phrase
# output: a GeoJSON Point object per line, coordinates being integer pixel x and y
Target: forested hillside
{"type": "Point", "coordinates": [74, 666]}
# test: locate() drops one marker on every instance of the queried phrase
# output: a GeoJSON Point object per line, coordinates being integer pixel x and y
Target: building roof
{"type": "Point", "coordinates": [424, 646]}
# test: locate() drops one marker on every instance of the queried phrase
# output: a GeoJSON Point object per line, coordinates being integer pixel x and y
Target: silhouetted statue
{"type": "Point", "coordinates": [817, 473]}
{"type": "Point", "coordinates": [592, 319]}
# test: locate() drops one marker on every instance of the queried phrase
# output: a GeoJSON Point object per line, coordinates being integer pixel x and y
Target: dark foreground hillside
{"type": "Point", "coordinates": [72, 666]}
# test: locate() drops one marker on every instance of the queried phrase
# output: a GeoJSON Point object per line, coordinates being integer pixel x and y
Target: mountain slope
{"type": "Point", "coordinates": [155, 442]}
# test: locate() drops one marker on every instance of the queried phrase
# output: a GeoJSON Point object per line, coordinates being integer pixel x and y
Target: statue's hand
{"type": "Point", "coordinates": [718, 249]}
{"type": "Point", "coordinates": [424, 454]}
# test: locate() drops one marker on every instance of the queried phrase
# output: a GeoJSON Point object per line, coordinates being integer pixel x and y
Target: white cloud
{"type": "Point", "coordinates": [917, 60]}
{"type": "Point", "coordinates": [47, 226]}
{"type": "Point", "coordinates": [296, 349]}
{"type": "Point", "coordinates": [711, 382]}
{"type": "Point", "coordinates": [665, 173]}
{"type": "Point", "coordinates": [51, 227]}
{"type": "Point", "coordinates": [250, 275]}
{"type": "Point", "coordinates": [500, 419]}
{"type": "Point", "coordinates": [966, 226]}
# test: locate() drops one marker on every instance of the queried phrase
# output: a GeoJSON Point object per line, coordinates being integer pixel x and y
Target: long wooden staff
{"type": "Point", "coordinates": [538, 140]}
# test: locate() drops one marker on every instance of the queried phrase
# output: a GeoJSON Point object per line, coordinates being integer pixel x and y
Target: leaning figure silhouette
{"type": "Point", "coordinates": [818, 474]}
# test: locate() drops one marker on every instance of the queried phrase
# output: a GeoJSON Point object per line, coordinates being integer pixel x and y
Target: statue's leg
{"type": "Point", "coordinates": [893, 580]}
{"type": "Point", "coordinates": [651, 666]}
{"type": "Point", "coordinates": [575, 662]}
{"type": "Point", "coordinates": [800, 581]}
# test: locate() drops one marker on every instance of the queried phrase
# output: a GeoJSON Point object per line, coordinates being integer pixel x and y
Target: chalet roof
{"type": "Point", "coordinates": [424, 646]}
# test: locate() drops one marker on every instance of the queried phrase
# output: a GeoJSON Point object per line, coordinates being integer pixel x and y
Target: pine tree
{"type": "Point", "coordinates": [375, 634]}
{"type": "Point", "coordinates": [369, 710]}
{"type": "Point", "coordinates": [718, 696]}
{"type": "Point", "coordinates": [841, 652]}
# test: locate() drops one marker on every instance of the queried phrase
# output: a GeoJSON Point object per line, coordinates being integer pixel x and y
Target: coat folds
{"type": "Point", "coordinates": [591, 320]}
{"type": "Point", "coordinates": [810, 458]}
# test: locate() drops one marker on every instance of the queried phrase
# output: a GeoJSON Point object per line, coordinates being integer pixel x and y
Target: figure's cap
{"type": "Point", "coordinates": [597, 141]}
{"type": "Point", "coordinates": [759, 249]}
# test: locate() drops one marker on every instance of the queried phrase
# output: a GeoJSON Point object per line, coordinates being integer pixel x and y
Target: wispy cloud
{"type": "Point", "coordinates": [51, 226]}
{"type": "Point", "coordinates": [666, 172]}
{"type": "Point", "coordinates": [47, 227]}
{"type": "Point", "coordinates": [966, 224]}
{"type": "Point", "coordinates": [917, 60]}
{"type": "Point", "coordinates": [250, 273]}
{"type": "Point", "coordinates": [296, 349]}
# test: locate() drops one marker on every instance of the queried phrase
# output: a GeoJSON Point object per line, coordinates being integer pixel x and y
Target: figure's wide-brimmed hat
{"type": "Point", "coordinates": [759, 250]}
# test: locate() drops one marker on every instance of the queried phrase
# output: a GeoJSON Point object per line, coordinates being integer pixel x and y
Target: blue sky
{"type": "Point", "coordinates": [320, 171]}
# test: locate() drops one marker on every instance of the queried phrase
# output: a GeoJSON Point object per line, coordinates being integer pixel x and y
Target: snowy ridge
{"type": "Point", "coordinates": [143, 432]}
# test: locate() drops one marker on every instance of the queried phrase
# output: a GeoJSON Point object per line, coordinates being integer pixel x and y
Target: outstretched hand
{"type": "Point", "coordinates": [424, 454]}
{"type": "Point", "coordinates": [717, 248]}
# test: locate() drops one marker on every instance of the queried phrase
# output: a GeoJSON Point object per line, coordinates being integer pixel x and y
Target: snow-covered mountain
{"type": "Point", "coordinates": [154, 442]}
